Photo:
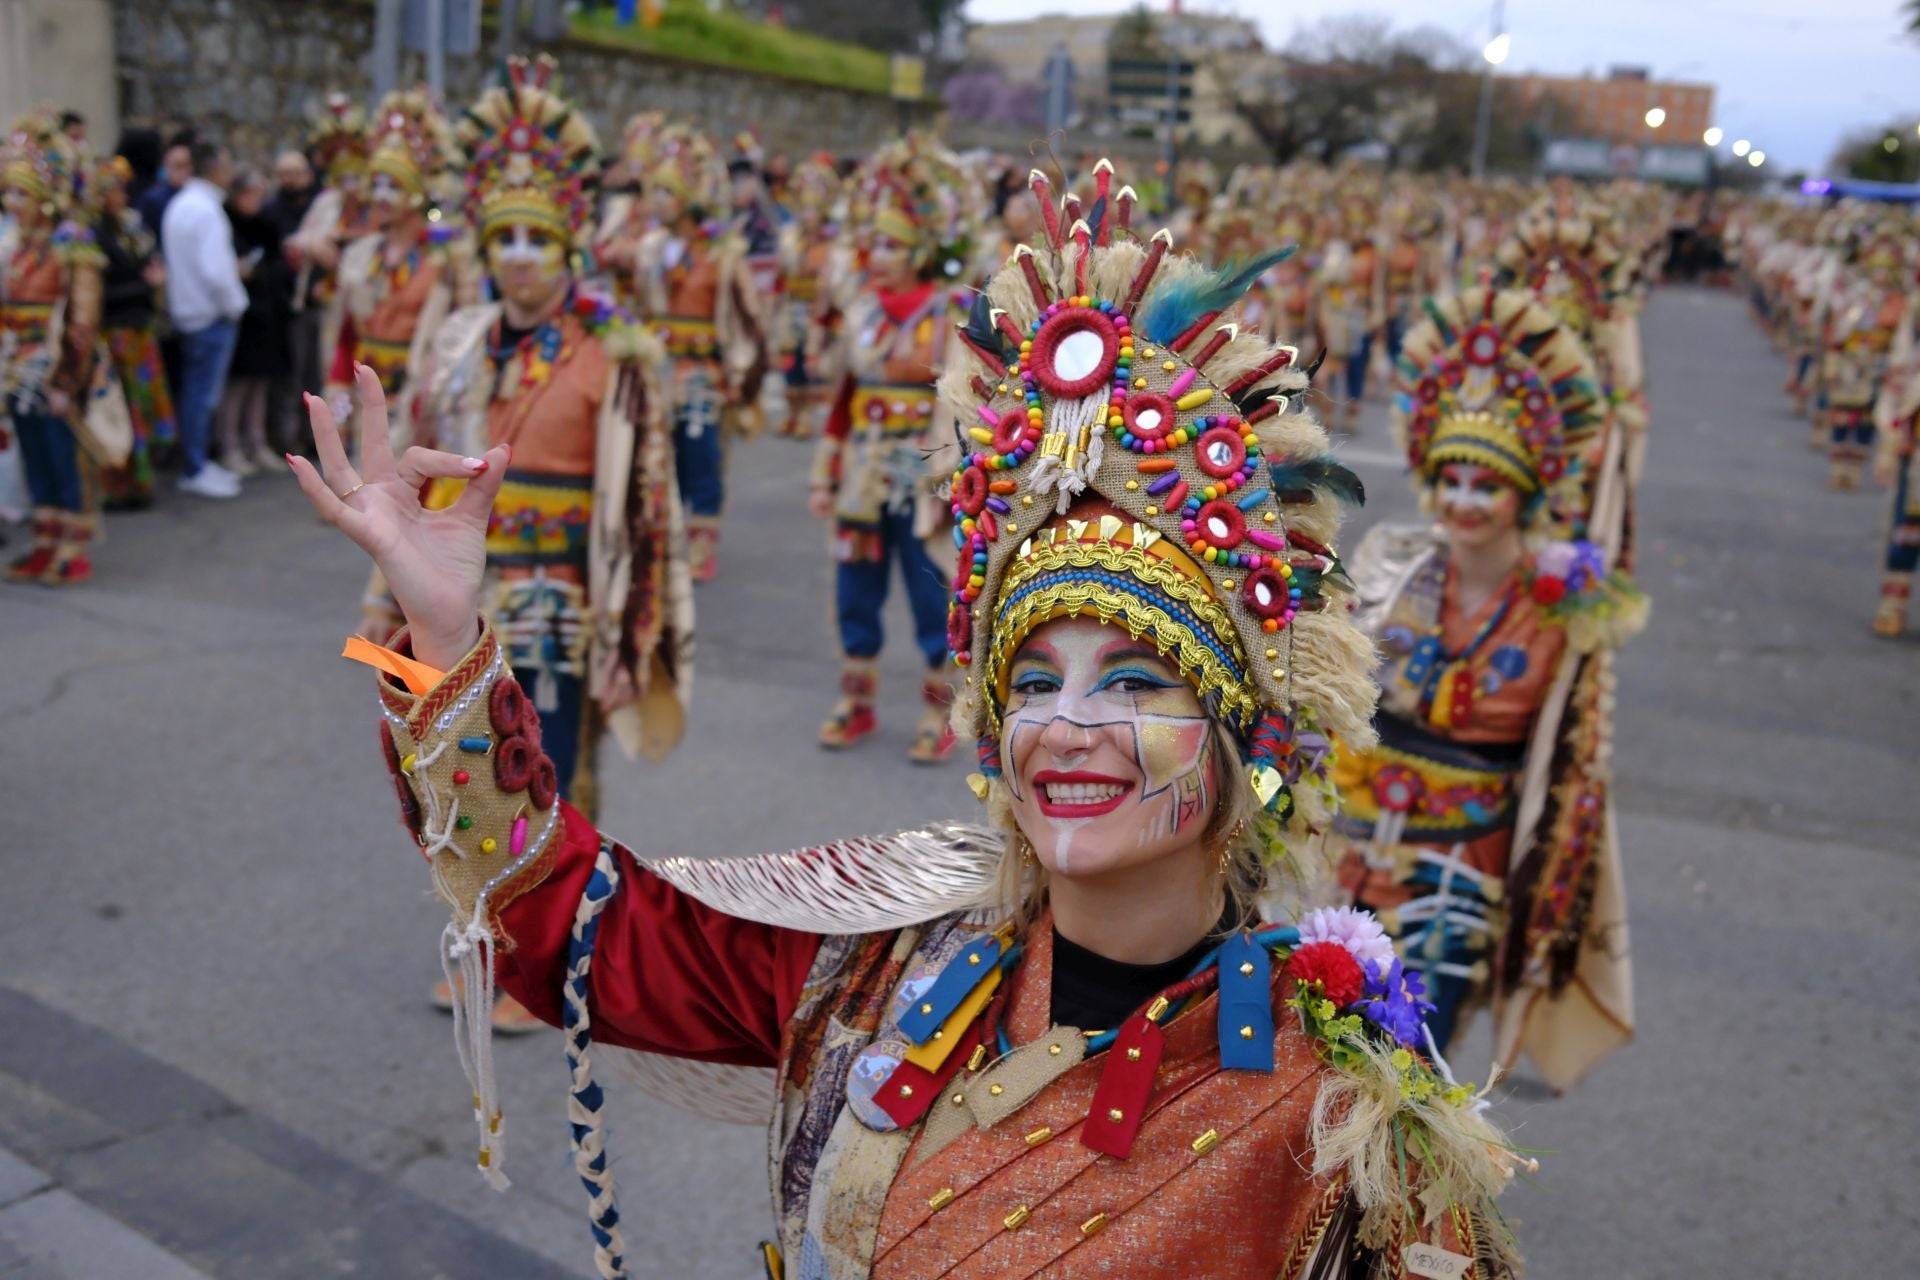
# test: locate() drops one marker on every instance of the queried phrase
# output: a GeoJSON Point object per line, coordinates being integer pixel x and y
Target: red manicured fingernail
{"type": "Point", "coordinates": [476, 465]}
{"type": "Point", "coordinates": [289, 458]}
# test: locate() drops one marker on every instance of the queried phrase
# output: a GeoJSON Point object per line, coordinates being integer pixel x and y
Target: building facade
{"type": "Point", "coordinates": [1021, 51]}
{"type": "Point", "coordinates": [1614, 109]}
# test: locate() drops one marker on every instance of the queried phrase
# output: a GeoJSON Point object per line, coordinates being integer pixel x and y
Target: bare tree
{"type": "Point", "coordinates": [1353, 79]}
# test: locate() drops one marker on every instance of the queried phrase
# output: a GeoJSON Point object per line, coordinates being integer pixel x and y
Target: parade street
{"type": "Point", "coordinates": [217, 1057]}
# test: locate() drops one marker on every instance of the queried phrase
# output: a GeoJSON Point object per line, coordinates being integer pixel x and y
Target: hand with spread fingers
{"type": "Point", "coordinates": [433, 560]}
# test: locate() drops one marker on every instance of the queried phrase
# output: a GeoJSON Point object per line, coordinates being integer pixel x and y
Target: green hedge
{"type": "Point", "coordinates": [693, 33]}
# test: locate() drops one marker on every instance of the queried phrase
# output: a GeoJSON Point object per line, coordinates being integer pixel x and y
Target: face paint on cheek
{"type": "Point", "coordinates": [1177, 758]}
{"type": "Point", "coordinates": [1074, 727]}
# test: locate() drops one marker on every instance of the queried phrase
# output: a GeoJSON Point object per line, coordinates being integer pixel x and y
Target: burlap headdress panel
{"type": "Point", "coordinates": [1131, 455]}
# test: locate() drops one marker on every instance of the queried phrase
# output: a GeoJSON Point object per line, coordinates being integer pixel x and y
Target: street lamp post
{"type": "Point", "coordinates": [1494, 54]}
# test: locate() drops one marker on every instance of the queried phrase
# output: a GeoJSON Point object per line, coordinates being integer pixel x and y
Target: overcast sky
{"type": "Point", "coordinates": [1792, 75]}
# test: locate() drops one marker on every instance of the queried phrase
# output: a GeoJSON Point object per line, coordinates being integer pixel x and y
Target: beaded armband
{"type": "Point", "coordinates": [476, 790]}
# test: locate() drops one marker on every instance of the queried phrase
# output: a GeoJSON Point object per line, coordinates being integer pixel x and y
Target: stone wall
{"type": "Point", "coordinates": [59, 53]}
{"type": "Point", "coordinates": [254, 71]}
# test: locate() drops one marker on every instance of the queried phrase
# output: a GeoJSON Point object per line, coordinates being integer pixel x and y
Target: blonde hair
{"type": "Point", "coordinates": [1020, 884]}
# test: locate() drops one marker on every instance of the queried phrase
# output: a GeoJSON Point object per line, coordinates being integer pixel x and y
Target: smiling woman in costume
{"type": "Point", "coordinates": [1066, 1043]}
{"type": "Point", "coordinates": [1480, 825]}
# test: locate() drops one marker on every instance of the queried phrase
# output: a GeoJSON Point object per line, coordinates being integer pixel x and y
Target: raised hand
{"type": "Point", "coordinates": [433, 560]}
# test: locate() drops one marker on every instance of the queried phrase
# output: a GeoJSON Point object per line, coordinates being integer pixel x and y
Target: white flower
{"type": "Point", "coordinates": [1555, 560]}
{"type": "Point", "coordinates": [1352, 928]}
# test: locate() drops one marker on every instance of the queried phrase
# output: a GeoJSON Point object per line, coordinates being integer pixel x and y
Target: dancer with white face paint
{"type": "Point", "coordinates": [1493, 691]}
{"type": "Point", "coordinates": [395, 285]}
{"type": "Point", "coordinates": [1084, 1039]}
{"type": "Point", "coordinates": [585, 576]}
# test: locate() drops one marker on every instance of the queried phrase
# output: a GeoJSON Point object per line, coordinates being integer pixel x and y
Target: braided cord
{"type": "Point", "coordinates": [586, 1103]}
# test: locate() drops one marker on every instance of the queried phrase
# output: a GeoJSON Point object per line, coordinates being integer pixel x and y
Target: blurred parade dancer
{"type": "Point", "coordinates": [887, 437]}
{"type": "Point", "coordinates": [1495, 693]}
{"type": "Point", "coordinates": [50, 306]}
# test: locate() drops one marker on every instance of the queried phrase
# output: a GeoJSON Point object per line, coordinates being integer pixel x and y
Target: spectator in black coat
{"type": "Point", "coordinates": [260, 352]}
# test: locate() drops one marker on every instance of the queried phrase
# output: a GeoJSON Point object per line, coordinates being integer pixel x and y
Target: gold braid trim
{"type": "Point", "coordinates": [1316, 1229]}
{"type": "Point", "coordinates": [1171, 637]}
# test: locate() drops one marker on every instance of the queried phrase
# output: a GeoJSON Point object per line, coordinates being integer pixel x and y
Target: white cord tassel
{"type": "Point", "coordinates": [466, 957]}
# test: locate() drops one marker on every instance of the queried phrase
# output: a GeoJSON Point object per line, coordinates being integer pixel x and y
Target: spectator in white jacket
{"type": "Point", "coordinates": [207, 299]}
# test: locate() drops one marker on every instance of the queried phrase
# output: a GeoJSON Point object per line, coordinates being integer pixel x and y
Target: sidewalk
{"type": "Point", "coordinates": [48, 1233]}
{"type": "Point", "coordinates": [116, 1166]}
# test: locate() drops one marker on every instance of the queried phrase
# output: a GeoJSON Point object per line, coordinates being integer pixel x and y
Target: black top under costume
{"type": "Point", "coordinates": [1094, 993]}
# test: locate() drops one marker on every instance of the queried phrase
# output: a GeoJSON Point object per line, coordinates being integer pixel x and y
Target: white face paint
{"type": "Point", "coordinates": [1476, 505]}
{"type": "Point", "coordinates": [1459, 493]}
{"type": "Point", "coordinates": [1109, 753]}
{"type": "Point", "coordinates": [384, 191]}
{"type": "Point", "coordinates": [520, 246]}
{"type": "Point", "coordinates": [529, 265]}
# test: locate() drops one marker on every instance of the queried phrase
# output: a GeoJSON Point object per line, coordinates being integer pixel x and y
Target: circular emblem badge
{"type": "Point", "coordinates": [870, 1071]}
{"type": "Point", "coordinates": [916, 984]}
{"type": "Point", "coordinates": [1510, 660]}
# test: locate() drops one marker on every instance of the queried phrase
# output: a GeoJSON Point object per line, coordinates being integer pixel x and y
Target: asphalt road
{"type": "Point", "coordinates": [202, 883]}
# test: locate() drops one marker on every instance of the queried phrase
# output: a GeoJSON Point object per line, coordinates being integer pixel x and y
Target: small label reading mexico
{"type": "Point", "coordinates": [1434, 1262]}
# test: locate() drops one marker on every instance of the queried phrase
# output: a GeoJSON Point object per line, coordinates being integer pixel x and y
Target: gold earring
{"type": "Point", "coordinates": [1226, 846]}
{"type": "Point", "coordinates": [1027, 858]}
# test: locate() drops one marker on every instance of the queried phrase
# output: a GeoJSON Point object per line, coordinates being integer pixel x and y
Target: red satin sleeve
{"type": "Point", "coordinates": [670, 974]}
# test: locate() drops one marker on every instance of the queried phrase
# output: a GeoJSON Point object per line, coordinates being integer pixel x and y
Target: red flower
{"type": "Point", "coordinates": [1333, 967]}
{"type": "Point", "coordinates": [1548, 591]}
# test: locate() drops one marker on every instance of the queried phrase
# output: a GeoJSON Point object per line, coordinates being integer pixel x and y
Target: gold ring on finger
{"type": "Point", "coordinates": [350, 492]}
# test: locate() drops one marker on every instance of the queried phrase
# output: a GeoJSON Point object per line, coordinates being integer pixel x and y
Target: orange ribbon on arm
{"type": "Point", "coordinates": [417, 676]}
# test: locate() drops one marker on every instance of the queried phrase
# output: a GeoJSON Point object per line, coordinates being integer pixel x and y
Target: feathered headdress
{"type": "Point", "coordinates": [338, 142]}
{"type": "Point", "coordinates": [40, 162]}
{"type": "Point", "coordinates": [1131, 455]}
{"type": "Point", "coordinates": [531, 158]}
{"type": "Point", "coordinates": [640, 142]}
{"type": "Point", "coordinates": [814, 183]}
{"type": "Point", "coordinates": [1493, 378]}
{"type": "Point", "coordinates": [915, 193]}
{"type": "Point", "coordinates": [687, 165]}
{"type": "Point", "coordinates": [410, 142]}
{"type": "Point", "coordinates": [1563, 250]}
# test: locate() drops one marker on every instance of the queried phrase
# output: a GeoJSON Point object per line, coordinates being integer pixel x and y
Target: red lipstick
{"type": "Point", "coordinates": [1055, 809]}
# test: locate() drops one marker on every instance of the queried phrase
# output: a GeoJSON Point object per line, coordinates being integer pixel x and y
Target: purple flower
{"type": "Point", "coordinates": [1395, 1004]}
{"type": "Point", "coordinates": [1589, 566]}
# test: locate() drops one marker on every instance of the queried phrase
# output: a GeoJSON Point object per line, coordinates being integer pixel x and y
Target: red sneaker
{"type": "Point", "coordinates": [32, 566]}
{"type": "Point", "coordinates": [69, 572]}
{"type": "Point", "coordinates": [849, 723]}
